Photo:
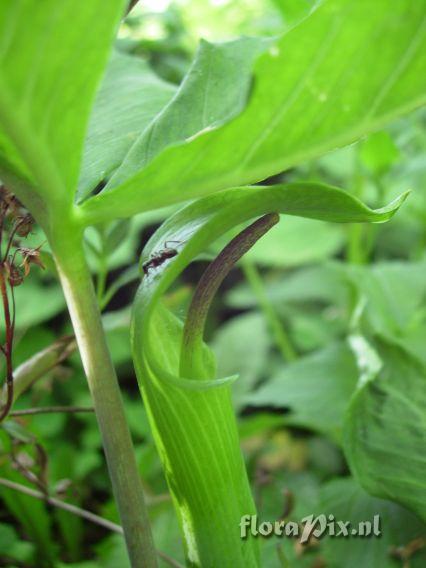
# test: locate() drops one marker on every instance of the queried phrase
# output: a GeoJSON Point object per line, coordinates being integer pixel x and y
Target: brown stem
{"type": "Point", "coordinates": [209, 284]}
{"type": "Point", "coordinates": [7, 348]}
{"type": "Point", "coordinates": [11, 237]}
{"type": "Point", "coordinates": [51, 410]}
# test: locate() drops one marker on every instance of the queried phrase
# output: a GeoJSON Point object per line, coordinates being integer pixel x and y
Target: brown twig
{"type": "Point", "coordinates": [7, 347]}
{"type": "Point", "coordinates": [51, 410]}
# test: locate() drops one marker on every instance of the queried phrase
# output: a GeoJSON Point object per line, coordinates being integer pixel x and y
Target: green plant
{"type": "Point", "coordinates": [311, 90]}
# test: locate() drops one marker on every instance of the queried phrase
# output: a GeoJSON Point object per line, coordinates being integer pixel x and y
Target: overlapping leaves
{"type": "Point", "coordinates": [342, 72]}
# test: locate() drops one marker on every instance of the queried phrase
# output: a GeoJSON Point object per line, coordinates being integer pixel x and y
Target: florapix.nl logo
{"type": "Point", "coordinates": [310, 527]}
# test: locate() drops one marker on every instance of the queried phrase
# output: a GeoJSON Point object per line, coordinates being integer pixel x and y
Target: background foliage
{"type": "Point", "coordinates": [338, 293]}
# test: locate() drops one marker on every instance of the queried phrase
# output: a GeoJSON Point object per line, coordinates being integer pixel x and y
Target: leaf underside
{"type": "Point", "coordinates": [342, 72]}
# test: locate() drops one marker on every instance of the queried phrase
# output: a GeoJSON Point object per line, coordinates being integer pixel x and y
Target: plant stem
{"type": "Point", "coordinates": [39, 365]}
{"type": "Point", "coordinates": [208, 286]}
{"type": "Point", "coordinates": [66, 242]}
{"type": "Point", "coordinates": [51, 410]}
{"type": "Point", "coordinates": [102, 270]}
{"type": "Point", "coordinates": [355, 252]}
{"type": "Point", "coordinates": [9, 321]}
{"type": "Point", "coordinates": [281, 338]}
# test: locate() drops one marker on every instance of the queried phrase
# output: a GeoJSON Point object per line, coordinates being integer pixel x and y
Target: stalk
{"type": "Point", "coordinates": [355, 252]}
{"type": "Point", "coordinates": [207, 288]}
{"type": "Point", "coordinates": [66, 242]}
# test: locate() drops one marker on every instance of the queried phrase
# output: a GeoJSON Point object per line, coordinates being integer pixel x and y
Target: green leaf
{"type": "Point", "coordinates": [316, 389]}
{"type": "Point", "coordinates": [293, 10]}
{"type": "Point", "coordinates": [341, 73]}
{"type": "Point", "coordinates": [52, 57]}
{"type": "Point", "coordinates": [385, 427]}
{"type": "Point", "coordinates": [193, 420]}
{"type": "Point", "coordinates": [214, 91]}
{"type": "Point", "coordinates": [393, 292]}
{"type": "Point", "coordinates": [62, 465]}
{"type": "Point", "coordinates": [130, 96]}
{"type": "Point", "coordinates": [196, 437]}
{"type": "Point", "coordinates": [344, 499]}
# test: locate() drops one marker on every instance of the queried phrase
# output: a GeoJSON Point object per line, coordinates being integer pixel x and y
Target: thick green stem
{"type": "Point", "coordinates": [66, 242]}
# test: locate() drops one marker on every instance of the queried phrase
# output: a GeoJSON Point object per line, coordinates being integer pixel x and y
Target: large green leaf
{"type": "Point", "coordinates": [193, 420]}
{"type": "Point", "coordinates": [385, 430]}
{"type": "Point", "coordinates": [52, 56]}
{"type": "Point", "coordinates": [342, 72]}
{"type": "Point", "coordinates": [130, 96]}
{"type": "Point", "coordinates": [12, 547]}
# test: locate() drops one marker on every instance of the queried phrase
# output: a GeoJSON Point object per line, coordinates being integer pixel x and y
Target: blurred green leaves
{"type": "Point", "coordinates": [316, 390]}
{"type": "Point", "coordinates": [378, 153]}
{"type": "Point", "coordinates": [297, 241]}
{"type": "Point", "coordinates": [344, 499]}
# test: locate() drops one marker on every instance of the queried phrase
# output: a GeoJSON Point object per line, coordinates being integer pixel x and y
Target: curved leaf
{"type": "Point", "coordinates": [214, 91]}
{"type": "Point", "coordinates": [341, 73]}
{"type": "Point", "coordinates": [193, 420]}
{"type": "Point", "coordinates": [193, 228]}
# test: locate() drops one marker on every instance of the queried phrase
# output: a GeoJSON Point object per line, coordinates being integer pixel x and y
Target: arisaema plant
{"type": "Point", "coordinates": [89, 135]}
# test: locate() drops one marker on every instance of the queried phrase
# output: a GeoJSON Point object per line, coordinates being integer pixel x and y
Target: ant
{"type": "Point", "coordinates": [159, 257]}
